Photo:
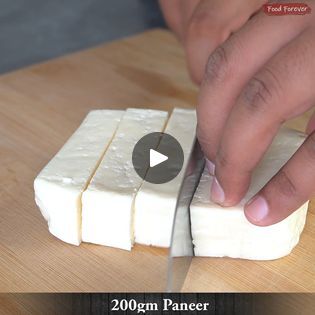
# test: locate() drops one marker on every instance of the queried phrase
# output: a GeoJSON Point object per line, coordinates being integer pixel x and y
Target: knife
{"type": "Point", "coordinates": [182, 249]}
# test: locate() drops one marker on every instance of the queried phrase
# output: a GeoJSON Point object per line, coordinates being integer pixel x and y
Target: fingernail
{"type": "Point", "coordinates": [217, 193]}
{"type": "Point", "coordinates": [257, 208]}
{"type": "Point", "coordinates": [210, 167]}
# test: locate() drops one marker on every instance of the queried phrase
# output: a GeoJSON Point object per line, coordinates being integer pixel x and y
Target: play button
{"type": "Point", "coordinates": [157, 157]}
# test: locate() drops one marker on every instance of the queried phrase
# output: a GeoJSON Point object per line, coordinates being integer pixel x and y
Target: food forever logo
{"type": "Point", "coordinates": [286, 8]}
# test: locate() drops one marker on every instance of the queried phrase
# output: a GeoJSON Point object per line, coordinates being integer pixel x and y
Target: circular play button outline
{"type": "Point", "coordinates": [168, 155]}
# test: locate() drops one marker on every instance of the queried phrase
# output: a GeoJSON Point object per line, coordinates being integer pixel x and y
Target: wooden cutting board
{"type": "Point", "coordinates": [40, 107]}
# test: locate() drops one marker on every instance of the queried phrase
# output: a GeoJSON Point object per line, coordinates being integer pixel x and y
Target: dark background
{"type": "Point", "coordinates": [220, 304]}
{"type": "Point", "coordinates": [36, 30]}
{"type": "Point", "coordinates": [100, 303]}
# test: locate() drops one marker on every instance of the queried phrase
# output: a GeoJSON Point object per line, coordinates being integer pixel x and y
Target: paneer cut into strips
{"type": "Point", "coordinates": [59, 186]}
{"type": "Point", "coordinates": [107, 215]}
{"type": "Point", "coordinates": [155, 203]}
{"type": "Point", "coordinates": [219, 231]}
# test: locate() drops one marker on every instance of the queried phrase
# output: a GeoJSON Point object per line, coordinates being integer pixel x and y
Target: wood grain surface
{"type": "Point", "coordinates": [40, 107]}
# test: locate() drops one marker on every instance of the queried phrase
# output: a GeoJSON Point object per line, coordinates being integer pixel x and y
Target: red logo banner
{"type": "Point", "coordinates": [286, 8]}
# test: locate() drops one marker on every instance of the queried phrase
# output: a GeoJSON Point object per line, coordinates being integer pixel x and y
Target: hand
{"type": "Point", "coordinates": [202, 25]}
{"type": "Point", "coordinates": [261, 76]}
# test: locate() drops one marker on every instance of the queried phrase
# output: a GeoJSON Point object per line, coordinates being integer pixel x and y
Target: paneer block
{"type": "Point", "coordinates": [59, 186]}
{"type": "Point", "coordinates": [224, 231]}
{"type": "Point", "coordinates": [107, 215]}
{"type": "Point", "coordinates": [155, 203]}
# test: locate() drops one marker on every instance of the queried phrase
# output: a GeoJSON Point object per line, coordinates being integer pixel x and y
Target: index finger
{"type": "Point", "coordinates": [271, 97]}
{"type": "Point", "coordinates": [232, 65]}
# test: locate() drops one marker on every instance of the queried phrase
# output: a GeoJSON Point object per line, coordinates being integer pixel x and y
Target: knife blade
{"type": "Point", "coordinates": [182, 250]}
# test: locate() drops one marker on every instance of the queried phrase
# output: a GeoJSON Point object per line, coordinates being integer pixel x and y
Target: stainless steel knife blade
{"type": "Point", "coordinates": [182, 250]}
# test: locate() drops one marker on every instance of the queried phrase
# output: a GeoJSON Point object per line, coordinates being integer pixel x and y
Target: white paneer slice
{"type": "Point", "coordinates": [219, 231]}
{"type": "Point", "coordinates": [59, 186]}
{"type": "Point", "coordinates": [155, 203]}
{"type": "Point", "coordinates": [107, 204]}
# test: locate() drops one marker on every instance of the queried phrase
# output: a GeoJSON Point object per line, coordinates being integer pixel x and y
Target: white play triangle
{"type": "Point", "coordinates": [156, 158]}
